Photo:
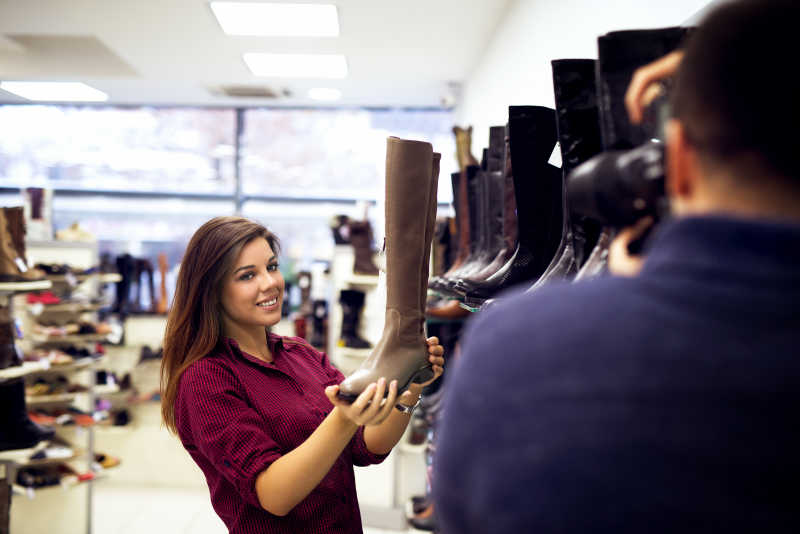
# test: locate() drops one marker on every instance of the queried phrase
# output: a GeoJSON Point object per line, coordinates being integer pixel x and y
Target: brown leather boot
{"type": "Point", "coordinates": [402, 353]}
{"type": "Point", "coordinates": [13, 267]}
{"type": "Point", "coordinates": [464, 147]}
{"type": "Point", "coordinates": [361, 239]}
{"type": "Point", "coordinates": [430, 225]}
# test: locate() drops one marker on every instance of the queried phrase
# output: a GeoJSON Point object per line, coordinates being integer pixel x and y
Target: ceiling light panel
{"type": "Point", "coordinates": [294, 20]}
{"type": "Point", "coordinates": [55, 91]}
{"type": "Point", "coordinates": [296, 65]}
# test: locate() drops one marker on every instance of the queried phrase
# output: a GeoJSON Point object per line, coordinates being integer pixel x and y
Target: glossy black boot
{"type": "Point", "coordinates": [16, 430]}
{"type": "Point", "coordinates": [537, 189]}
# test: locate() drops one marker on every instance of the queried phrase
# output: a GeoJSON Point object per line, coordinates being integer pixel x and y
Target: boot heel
{"type": "Point", "coordinates": [423, 375]}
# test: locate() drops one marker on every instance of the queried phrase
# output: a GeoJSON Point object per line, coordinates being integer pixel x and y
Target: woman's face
{"type": "Point", "coordinates": [252, 293]}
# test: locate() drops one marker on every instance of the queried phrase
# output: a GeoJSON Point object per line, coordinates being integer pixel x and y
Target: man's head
{"type": "Point", "coordinates": [732, 146]}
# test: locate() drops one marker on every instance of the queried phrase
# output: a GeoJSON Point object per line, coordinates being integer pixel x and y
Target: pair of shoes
{"type": "Point", "coordinates": [412, 173]}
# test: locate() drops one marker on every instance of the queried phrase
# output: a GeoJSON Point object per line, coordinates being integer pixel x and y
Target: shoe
{"type": "Point", "coordinates": [402, 352]}
{"type": "Point", "coordinates": [13, 265]}
{"type": "Point", "coordinates": [450, 309]}
{"type": "Point", "coordinates": [464, 147]}
{"type": "Point", "coordinates": [10, 353]}
{"type": "Point", "coordinates": [352, 302]}
{"type": "Point", "coordinates": [361, 240]}
{"type": "Point", "coordinates": [338, 225]}
{"type": "Point", "coordinates": [319, 322]}
{"type": "Point", "coordinates": [17, 431]}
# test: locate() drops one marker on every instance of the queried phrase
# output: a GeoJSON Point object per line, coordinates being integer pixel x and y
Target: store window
{"type": "Point", "coordinates": [118, 149]}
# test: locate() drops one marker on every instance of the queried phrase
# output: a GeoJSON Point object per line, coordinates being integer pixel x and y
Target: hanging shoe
{"type": "Point", "coordinates": [402, 352]}
{"type": "Point", "coordinates": [352, 302]}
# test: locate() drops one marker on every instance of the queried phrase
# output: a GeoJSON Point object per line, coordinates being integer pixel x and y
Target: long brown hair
{"type": "Point", "coordinates": [194, 326]}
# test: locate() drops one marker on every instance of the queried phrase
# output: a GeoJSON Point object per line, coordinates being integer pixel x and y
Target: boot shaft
{"type": "Point", "coordinates": [620, 53]}
{"type": "Point", "coordinates": [464, 147]}
{"type": "Point", "coordinates": [15, 218]}
{"type": "Point", "coordinates": [408, 190]}
{"type": "Point", "coordinates": [496, 152]}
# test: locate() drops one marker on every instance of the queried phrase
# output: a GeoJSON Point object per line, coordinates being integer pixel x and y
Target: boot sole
{"type": "Point", "coordinates": [423, 374]}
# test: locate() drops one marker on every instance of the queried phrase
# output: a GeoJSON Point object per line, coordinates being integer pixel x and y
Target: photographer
{"type": "Point", "coordinates": [663, 401]}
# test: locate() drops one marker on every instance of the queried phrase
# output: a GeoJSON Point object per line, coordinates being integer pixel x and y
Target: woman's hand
{"type": "Point", "coordinates": [370, 408]}
{"type": "Point", "coordinates": [436, 357]}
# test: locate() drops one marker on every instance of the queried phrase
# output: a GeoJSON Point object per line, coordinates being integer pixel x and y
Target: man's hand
{"type": "Point", "coordinates": [620, 261]}
{"type": "Point", "coordinates": [641, 90]}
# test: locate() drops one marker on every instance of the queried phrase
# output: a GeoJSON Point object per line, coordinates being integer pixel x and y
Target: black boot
{"type": "Point", "coordinates": [9, 352]}
{"type": "Point", "coordinates": [537, 189]}
{"type": "Point", "coordinates": [16, 430]}
{"type": "Point", "coordinates": [319, 323]}
{"type": "Point", "coordinates": [579, 138]}
{"type": "Point", "coordinates": [352, 302]}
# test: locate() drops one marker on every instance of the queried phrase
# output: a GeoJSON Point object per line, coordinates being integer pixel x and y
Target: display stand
{"type": "Point", "coordinates": [47, 505]}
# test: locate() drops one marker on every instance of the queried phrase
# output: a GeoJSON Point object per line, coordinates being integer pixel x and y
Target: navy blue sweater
{"type": "Point", "coordinates": [669, 402]}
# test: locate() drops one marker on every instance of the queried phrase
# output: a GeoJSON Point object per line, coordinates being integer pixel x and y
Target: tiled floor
{"type": "Point", "coordinates": [136, 510]}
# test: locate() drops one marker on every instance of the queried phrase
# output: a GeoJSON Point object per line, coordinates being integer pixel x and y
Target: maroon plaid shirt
{"type": "Point", "coordinates": [237, 414]}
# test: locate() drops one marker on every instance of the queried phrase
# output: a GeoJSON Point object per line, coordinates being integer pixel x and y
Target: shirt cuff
{"type": "Point", "coordinates": [245, 476]}
{"type": "Point", "coordinates": [361, 454]}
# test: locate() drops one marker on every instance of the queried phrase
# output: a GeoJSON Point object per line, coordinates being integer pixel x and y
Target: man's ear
{"type": "Point", "coordinates": [682, 166]}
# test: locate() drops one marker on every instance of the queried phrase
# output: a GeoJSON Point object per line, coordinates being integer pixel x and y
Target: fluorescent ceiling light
{"type": "Point", "coordinates": [55, 91]}
{"type": "Point", "coordinates": [324, 93]}
{"type": "Point", "coordinates": [296, 65]}
{"type": "Point", "coordinates": [304, 20]}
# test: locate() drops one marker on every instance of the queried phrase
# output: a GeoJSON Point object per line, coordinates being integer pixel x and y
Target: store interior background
{"type": "Point", "coordinates": [141, 171]}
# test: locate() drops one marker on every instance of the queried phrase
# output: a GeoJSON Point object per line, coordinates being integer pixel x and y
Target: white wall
{"type": "Point", "coordinates": [515, 67]}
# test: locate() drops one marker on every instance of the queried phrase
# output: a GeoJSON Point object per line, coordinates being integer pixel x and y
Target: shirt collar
{"type": "Point", "coordinates": [752, 247]}
{"type": "Point", "coordinates": [274, 342]}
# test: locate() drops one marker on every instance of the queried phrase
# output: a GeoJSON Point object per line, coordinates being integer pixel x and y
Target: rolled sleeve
{"type": "Point", "coordinates": [214, 417]}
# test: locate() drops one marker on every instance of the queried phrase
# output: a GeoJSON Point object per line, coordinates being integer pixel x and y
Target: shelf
{"type": "Point", "coordinates": [24, 287]}
{"type": "Point", "coordinates": [66, 398]}
{"type": "Point", "coordinates": [76, 455]}
{"type": "Point", "coordinates": [361, 280]}
{"type": "Point", "coordinates": [21, 455]}
{"type": "Point", "coordinates": [25, 369]}
{"type": "Point", "coordinates": [71, 307]}
{"type": "Point", "coordinates": [77, 338]}
{"type": "Point", "coordinates": [103, 278]}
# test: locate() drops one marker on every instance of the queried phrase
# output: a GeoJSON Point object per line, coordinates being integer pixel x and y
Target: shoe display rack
{"type": "Point", "coordinates": [76, 464]}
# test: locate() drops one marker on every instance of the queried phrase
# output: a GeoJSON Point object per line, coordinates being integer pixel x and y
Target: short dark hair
{"type": "Point", "coordinates": [735, 90]}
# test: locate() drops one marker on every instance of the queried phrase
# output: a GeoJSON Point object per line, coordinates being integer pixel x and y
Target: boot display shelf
{"type": "Point", "coordinates": [69, 398]}
{"type": "Point", "coordinates": [40, 339]}
{"type": "Point", "coordinates": [44, 367]}
{"type": "Point", "coordinates": [11, 288]}
{"type": "Point", "coordinates": [103, 278]}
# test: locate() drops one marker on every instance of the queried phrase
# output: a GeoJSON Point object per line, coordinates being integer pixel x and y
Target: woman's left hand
{"type": "Point", "coordinates": [436, 357]}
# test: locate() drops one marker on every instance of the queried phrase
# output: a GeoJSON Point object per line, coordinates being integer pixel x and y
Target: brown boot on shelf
{"type": "Point", "coordinates": [13, 266]}
{"type": "Point", "coordinates": [402, 353]}
{"type": "Point", "coordinates": [449, 310]}
{"type": "Point", "coordinates": [361, 239]}
{"type": "Point", "coordinates": [464, 147]}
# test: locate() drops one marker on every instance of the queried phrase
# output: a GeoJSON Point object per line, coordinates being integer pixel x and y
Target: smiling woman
{"type": "Point", "coordinates": [259, 413]}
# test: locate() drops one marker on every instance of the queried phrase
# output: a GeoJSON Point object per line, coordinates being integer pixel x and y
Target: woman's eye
{"type": "Point", "coordinates": [246, 276]}
{"type": "Point", "coordinates": [272, 267]}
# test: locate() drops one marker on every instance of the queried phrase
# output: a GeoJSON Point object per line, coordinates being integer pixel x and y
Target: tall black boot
{"type": "Point", "coordinates": [537, 189]}
{"type": "Point", "coordinates": [319, 324]}
{"type": "Point", "coordinates": [9, 352]}
{"type": "Point", "coordinates": [352, 302]}
{"type": "Point", "coordinates": [16, 430]}
{"type": "Point", "coordinates": [579, 138]}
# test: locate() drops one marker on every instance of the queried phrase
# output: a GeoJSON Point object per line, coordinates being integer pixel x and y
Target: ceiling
{"type": "Point", "coordinates": [400, 53]}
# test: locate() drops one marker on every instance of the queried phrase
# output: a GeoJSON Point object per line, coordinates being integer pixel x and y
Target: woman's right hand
{"type": "Point", "coordinates": [370, 408]}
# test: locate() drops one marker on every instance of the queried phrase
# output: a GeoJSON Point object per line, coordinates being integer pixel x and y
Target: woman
{"type": "Point", "coordinates": [258, 412]}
